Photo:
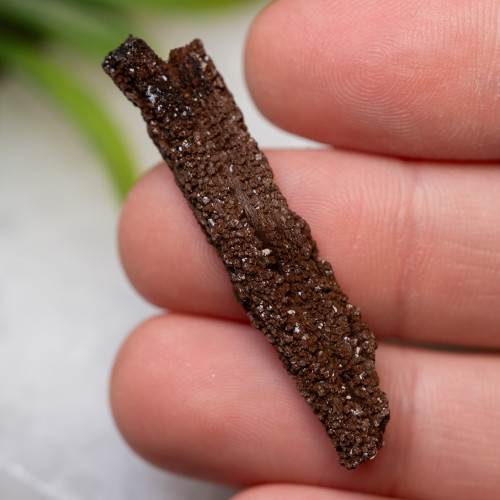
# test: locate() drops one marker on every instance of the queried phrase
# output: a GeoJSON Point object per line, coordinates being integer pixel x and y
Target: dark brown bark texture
{"type": "Point", "coordinates": [288, 292]}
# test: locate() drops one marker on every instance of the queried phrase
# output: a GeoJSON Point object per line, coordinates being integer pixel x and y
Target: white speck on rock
{"type": "Point", "coordinates": [291, 311]}
{"type": "Point", "coordinates": [152, 97]}
{"type": "Point", "coordinates": [266, 251]}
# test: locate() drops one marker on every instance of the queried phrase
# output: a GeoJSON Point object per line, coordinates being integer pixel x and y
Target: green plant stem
{"type": "Point", "coordinates": [85, 110]}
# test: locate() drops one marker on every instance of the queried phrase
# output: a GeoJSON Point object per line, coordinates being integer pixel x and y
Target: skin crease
{"type": "Point", "coordinates": [414, 243]}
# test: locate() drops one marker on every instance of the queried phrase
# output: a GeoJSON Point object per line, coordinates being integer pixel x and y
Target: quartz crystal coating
{"type": "Point", "coordinates": [287, 291]}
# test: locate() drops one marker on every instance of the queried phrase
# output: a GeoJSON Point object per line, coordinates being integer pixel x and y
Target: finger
{"type": "Point", "coordinates": [209, 398]}
{"type": "Point", "coordinates": [416, 246]}
{"type": "Point", "coordinates": [299, 492]}
{"type": "Point", "coordinates": [417, 79]}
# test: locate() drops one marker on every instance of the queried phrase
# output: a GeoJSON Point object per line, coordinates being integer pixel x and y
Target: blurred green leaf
{"type": "Point", "coordinates": [92, 30]}
{"type": "Point", "coordinates": [92, 27]}
{"type": "Point", "coordinates": [85, 110]}
{"type": "Point", "coordinates": [204, 5]}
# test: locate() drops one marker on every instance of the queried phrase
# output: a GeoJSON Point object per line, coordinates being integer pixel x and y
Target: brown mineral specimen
{"type": "Point", "coordinates": [287, 291]}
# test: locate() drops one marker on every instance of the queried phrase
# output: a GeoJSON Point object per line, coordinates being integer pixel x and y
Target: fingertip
{"type": "Point", "coordinates": [132, 389]}
{"type": "Point", "coordinates": [161, 392]}
{"type": "Point", "coordinates": [161, 247]}
{"type": "Point", "coordinates": [197, 396]}
{"type": "Point", "coordinates": [263, 67]}
{"type": "Point", "coordinates": [138, 234]}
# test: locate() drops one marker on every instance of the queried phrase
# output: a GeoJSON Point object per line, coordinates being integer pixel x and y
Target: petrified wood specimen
{"type": "Point", "coordinates": [288, 292]}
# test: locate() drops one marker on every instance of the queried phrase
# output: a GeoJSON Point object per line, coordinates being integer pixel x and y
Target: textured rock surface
{"type": "Point", "coordinates": [287, 291]}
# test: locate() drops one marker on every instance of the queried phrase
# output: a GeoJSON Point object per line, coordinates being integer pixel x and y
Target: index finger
{"type": "Point", "coordinates": [415, 79]}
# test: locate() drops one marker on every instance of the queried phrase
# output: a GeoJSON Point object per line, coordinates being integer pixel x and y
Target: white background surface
{"type": "Point", "coordinates": [65, 305]}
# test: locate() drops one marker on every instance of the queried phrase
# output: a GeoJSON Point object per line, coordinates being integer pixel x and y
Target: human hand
{"type": "Point", "coordinates": [415, 243]}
